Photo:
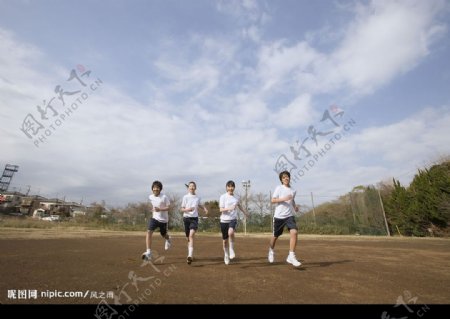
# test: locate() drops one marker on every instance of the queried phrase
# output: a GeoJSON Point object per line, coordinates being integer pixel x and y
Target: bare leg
{"type": "Point", "coordinates": [231, 243]}
{"type": "Point", "coordinates": [148, 239]}
{"type": "Point", "coordinates": [191, 242]}
{"type": "Point", "coordinates": [191, 237]}
{"type": "Point", "coordinates": [231, 236]}
{"type": "Point", "coordinates": [225, 245]}
{"type": "Point", "coordinates": [293, 240]}
{"type": "Point", "coordinates": [272, 242]}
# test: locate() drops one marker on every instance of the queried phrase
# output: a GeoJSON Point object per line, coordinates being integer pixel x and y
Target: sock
{"type": "Point", "coordinates": [225, 251]}
{"type": "Point", "coordinates": [190, 250]}
{"type": "Point", "coordinates": [149, 251]}
{"type": "Point", "coordinates": [270, 249]}
{"type": "Point", "coordinates": [291, 253]}
{"type": "Point", "coordinates": [231, 245]}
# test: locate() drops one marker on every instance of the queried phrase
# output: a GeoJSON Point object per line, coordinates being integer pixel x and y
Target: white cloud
{"type": "Point", "coordinates": [247, 10]}
{"type": "Point", "coordinates": [112, 146]}
{"type": "Point", "coordinates": [382, 152]}
{"type": "Point", "coordinates": [280, 65]}
{"type": "Point", "coordinates": [17, 81]}
{"type": "Point", "coordinates": [420, 137]}
{"type": "Point", "coordinates": [298, 113]}
{"type": "Point", "coordinates": [194, 67]}
{"type": "Point", "coordinates": [252, 32]}
{"type": "Point", "coordinates": [250, 16]}
{"type": "Point", "coordinates": [387, 38]}
{"type": "Point", "coordinates": [200, 77]}
{"type": "Point", "coordinates": [249, 111]}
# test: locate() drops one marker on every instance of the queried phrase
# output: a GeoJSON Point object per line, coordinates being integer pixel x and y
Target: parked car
{"type": "Point", "coordinates": [52, 218]}
{"type": "Point", "coordinates": [39, 213]}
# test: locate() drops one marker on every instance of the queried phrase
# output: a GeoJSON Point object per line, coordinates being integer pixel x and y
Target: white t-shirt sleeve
{"type": "Point", "coordinates": [276, 193]}
{"type": "Point", "coordinates": [184, 201]}
{"type": "Point", "coordinates": [222, 201]}
{"type": "Point", "coordinates": [166, 201]}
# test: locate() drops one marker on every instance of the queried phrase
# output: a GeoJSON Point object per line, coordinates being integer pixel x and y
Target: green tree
{"type": "Point", "coordinates": [424, 206]}
{"type": "Point", "coordinates": [429, 190]}
{"type": "Point", "coordinates": [397, 208]}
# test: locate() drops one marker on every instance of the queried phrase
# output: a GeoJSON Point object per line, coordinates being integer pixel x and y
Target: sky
{"type": "Point", "coordinates": [100, 98]}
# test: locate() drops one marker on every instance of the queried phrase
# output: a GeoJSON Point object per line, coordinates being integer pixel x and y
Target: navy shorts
{"type": "Point", "coordinates": [190, 223]}
{"type": "Point", "coordinates": [225, 226]}
{"type": "Point", "coordinates": [280, 223]}
{"type": "Point", "coordinates": [154, 224]}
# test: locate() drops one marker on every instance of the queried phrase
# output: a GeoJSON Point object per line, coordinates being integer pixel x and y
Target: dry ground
{"type": "Point", "coordinates": [335, 270]}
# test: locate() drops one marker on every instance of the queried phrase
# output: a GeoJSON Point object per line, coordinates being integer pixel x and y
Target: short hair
{"type": "Point", "coordinates": [158, 184]}
{"type": "Point", "coordinates": [231, 183]}
{"type": "Point", "coordinates": [284, 173]}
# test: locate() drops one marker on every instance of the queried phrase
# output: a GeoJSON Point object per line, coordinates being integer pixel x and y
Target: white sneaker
{"type": "Point", "coordinates": [291, 259]}
{"type": "Point", "coordinates": [271, 256]}
{"type": "Point", "coordinates": [147, 256]}
{"type": "Point", "coordinates": [226, 260]}
{"type": "Point", "coordinates": [232, 254]}
{"type": "Point", "coordinates": [168, 244]}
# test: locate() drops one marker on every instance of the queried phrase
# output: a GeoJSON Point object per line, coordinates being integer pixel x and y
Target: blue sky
{"type": "Point", "coordinates": [217, 90]}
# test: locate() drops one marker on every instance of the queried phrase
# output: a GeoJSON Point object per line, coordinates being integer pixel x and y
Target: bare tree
{"type": "Point", "coordinates": [175, 214]}
{"type": "Point", "coordinates": [261, 203]}
{"type": "Point", "coordinates": [260, 218]}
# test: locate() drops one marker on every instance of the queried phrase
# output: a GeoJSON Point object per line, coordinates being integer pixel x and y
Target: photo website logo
{"type": "Point", "coordinates": [53, 112]}
{"type": "Point", "coordinates": [406, 304]}
{"type": "Point", "coordinates": [322, 136]}
{"type": "Point", "coordinates": [137, 290]}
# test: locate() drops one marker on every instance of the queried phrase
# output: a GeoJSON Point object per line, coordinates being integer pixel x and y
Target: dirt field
{"type": "Point", "coordinates": [92, 267]}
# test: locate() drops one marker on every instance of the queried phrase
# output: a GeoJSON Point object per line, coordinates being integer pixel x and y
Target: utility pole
{"type": "Point", "coordinates": [314, 212]}
{"type": "Point", "coordinates": [246, 185]}
{"type": "Point", "coordinates": [271, 211]}
{"type": "Point", "coordinates": [384, 214]}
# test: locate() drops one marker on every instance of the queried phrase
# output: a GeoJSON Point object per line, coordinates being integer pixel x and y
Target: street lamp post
{"type": "Point", "coordinates": [246, 185]}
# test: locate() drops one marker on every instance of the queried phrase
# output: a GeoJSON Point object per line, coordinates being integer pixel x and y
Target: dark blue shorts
{"type": "Point", "coordinates": [225, 226]}
{"type": "Point", "coordinates": [190, 223]}
{"type": "Point", "coordinates": [154, 224]}
{"type": "Point", "coordinates": [280, 223]}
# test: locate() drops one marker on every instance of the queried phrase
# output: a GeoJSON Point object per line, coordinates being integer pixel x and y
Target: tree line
{"type": "Point", "coordinates": [422, 208]}
{"type": "Point", "coordinates": [419, 209]}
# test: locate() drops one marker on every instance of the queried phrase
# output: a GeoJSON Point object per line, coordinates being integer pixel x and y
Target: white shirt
{"type": "Point", "coordinates": [160, 201]}
{"type": "Point", "coordinates": [227, 200]}
{"type": "Point", "coordinates": [191, 201]}
{"type": "Point", "coordinates": [284, 209]}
